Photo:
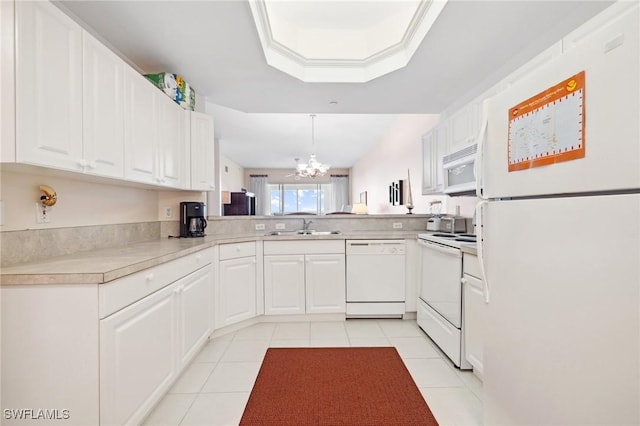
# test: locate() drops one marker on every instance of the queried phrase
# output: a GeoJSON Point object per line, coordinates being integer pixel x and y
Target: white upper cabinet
{"type": "Point", "coordinates": [173, 147]}
{"type": "Point", "coordinates": [48, 87]}
{"type": "Point", "coordinates": [202, 152]}
{"type": "Point", "coordinates": [103, 109]}
{"type": "Point", "coordinates": [433, 149]}
{"type": "Point", "coordinates": [140, 128]}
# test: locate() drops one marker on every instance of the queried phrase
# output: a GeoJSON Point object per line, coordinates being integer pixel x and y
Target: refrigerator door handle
{"type": "Point", "coordinates": [477, 165]}
{"type": "Point", "coordinates": [480, 246]}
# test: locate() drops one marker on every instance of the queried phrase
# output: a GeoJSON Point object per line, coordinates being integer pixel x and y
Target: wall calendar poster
{"type": "Point", "coordinates": [549, 127]}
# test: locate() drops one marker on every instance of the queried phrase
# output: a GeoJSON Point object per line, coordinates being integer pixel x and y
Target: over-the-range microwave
{"type": "Point", "coordinates": [459, 171]}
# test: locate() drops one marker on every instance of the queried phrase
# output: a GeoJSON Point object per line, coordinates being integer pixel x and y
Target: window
{"type": "Point", "coordinates": [304, 197]}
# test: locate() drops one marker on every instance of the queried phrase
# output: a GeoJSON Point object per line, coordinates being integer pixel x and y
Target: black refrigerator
{"type": "Point", "coordinates": [242, 204]}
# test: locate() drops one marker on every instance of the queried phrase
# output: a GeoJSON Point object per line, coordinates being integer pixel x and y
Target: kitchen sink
{"type": "Point", "coordinates": [304, 232]}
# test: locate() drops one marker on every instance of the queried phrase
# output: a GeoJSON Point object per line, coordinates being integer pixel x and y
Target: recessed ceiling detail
{"type": "Point", "coordinates": [342, 41]}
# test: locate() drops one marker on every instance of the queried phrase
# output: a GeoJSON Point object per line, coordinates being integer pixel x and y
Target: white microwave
{"type": "Point", "coordinates": [459, 171]}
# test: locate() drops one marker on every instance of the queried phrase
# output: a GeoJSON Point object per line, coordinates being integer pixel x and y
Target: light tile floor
{"type": "Point", "coordinates": [214, 389]}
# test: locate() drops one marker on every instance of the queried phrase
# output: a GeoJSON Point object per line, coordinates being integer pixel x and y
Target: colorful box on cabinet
{"type": "Point", "coordinates": [175, 87]}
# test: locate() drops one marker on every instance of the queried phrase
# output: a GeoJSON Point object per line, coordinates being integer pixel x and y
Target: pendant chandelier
{"type": "Point", "coordinates": [313, 167]}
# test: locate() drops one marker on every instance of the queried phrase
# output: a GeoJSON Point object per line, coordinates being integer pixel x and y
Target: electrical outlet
{"type": "Point", "coordinates": [397, 225]}
{"type": "Point", "coordinates": [280, 226]}
{"type": "Point", "coordinates": [168, 212]}
{"type": "Point", "coordinates": [259, 226]}
{"type": "Point", "coordinates": [42, 213]}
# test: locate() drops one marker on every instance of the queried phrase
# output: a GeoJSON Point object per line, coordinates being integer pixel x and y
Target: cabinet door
{"type": "Point", "coordinates": [137, 357]}
{"type": "Point", "coordinates": [474, 307]}
{"type": "Point", "coordinates": [429, 157]}
{"type": "Point", "coordinates": [325, 283]}
{"type": "Point", "coordinates": [236, 295]}
{"type": "Point", "coordinates": [103, 109]}
{"type": "Point", "coordinates": [173, 149]}
{"type": "Point", "coordinates": [284, 288]}
{"type": "Point", "coordinates": [202, 152]}
{"type": "Point", "coordinates": [140, 128]}
{"type": "Point", "coordinates": [459, 130]}
{"type": "Point", "coordinates": [7, 83]}
{"type": "Point", "coordinates": [194, 313]}
{"type": "Point", "coordinates": [48, 87]}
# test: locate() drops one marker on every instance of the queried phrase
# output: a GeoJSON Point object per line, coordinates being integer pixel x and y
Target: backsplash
{"type": "Point", "coordinates": [37, 244]}
{"type": "Point", "coordinates": [229, 225]}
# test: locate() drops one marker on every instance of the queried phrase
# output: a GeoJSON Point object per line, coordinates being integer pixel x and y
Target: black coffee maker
{"type": "Point", "coordinates": [192, 219]}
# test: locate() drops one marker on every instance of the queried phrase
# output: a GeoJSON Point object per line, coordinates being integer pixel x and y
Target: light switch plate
{"type": "Point", "coordinates": [397, 225]}
{"type": "Point", "coordinates": [259, 226]}
{"type": "Point", "coordinates": [280, 226]}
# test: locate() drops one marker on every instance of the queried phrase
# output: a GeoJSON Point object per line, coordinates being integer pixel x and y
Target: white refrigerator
{"type": "Point", "coordinates": [559, 235]}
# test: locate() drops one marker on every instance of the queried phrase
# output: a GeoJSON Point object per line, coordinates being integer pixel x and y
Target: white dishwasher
{"type": "Point", "coordinates": [375, 278]}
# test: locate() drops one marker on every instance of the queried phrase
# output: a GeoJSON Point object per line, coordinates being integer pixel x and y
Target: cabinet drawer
{"type": "Point", "coordinates": [471, 265]}
{"type": "Point", "coordinates": [236, 250]}
{"type": "Point", "coordinates": [304, 247]}
{"type": "Point", "coordinates": [117, 294]}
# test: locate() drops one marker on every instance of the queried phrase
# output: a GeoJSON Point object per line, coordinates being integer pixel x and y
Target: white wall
{"type": "Point", "coordinates": [398, 150]}
{"type": "Point", "coordinates": [82, 203]}
{"type": "Point", "coordinates": [231, 175]}
{"type": "Point", "coordinates": [79, 203]}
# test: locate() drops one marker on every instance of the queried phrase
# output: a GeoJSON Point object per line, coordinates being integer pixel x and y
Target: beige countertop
{"type": "Point", "coordinates": [102, 266]}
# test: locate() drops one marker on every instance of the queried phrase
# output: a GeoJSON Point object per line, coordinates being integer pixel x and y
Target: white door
{"type": "Point", "coordinates": [473, 321]}
{"type": "Point", "coordinates": [48, 87]}
{"type": "Point", "coordinates": [237, 291]}
{"type": "Point", "coordinates": [610, 59]}
{"type": "Point", "coordinates": [137, 357]}
{"type": "Point", "coordinates": [103, 109]}
{"type": "Point", "coordinates": [284, 284]}
{"type": "Point", "coordinates": [194, 313]}
{"type": "Point", "coordinates": [173, 147]}
{"type": "Point", "coordinates": [563, 300]}
{"type": "Point", "coordinates": [140, 128]}
{"type": "Point", "coordinates": [203, 165]}
{"type": "Point", "coordinates": [325, 283]}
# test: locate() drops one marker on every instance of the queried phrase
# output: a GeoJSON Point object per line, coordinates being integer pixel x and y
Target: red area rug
{"type": "Point", "coordinates": [335, 386]}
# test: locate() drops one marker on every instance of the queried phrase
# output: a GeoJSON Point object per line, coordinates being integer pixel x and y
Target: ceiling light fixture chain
{"type": "Point", "coordinates": [313, 167]}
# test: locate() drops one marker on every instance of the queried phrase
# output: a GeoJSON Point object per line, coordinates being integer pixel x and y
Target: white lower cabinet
{"type": "Point", "coordinates": [325, 283]}
{"type": "Point", "coordinates": [103, 353]}
{"type": "Point", "coordinates": [284, 284]}
{"type": "Point", "coordinates": [194, 314]}
{"type": "Point", "coordinates": [236, 285]}
{"type": "Point", "coordinates": [145, 346]}
{"type": "Point", "coordinates": [474, 313]}
{"type": "Point", "coordinates": [304, 277]}
{"type": "Point", "coordinates": [137, 357]}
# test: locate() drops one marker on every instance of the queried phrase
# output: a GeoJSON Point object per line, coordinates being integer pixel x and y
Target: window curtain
{"type": "Point", "coordinates": [258, 184]}
{"type": "Point", "coordinates": [339, 193]}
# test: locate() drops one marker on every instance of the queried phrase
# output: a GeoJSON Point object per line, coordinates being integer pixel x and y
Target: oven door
{"type": "Point", "coordinates": [440, 286]}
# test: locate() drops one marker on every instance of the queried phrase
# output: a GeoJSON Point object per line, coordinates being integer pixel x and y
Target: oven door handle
{"type": "Point", "coordinates": [447, 250]}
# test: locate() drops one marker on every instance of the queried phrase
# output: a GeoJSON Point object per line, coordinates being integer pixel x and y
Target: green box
{"type": "Point", "coordinates": [175, 87]}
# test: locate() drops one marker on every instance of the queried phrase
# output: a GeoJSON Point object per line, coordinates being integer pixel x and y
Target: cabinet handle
{"type": "Point", "coordinates": [463, 280]}
{"type": "Point", "coordinates": [212, 186]}
{"type": "Point", "coordinates": [82, 164]}
{"type": "Point", "coordinates": [92, 165]}
{"type": "Point", "coordinates": [149, 277]}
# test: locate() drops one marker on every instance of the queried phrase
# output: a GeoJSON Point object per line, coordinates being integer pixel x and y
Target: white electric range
{"type": "Point", "coordinates": [440, 301]}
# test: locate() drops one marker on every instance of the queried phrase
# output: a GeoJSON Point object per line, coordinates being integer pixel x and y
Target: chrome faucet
{"type": "Point", "coordinates": [305, 224]}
